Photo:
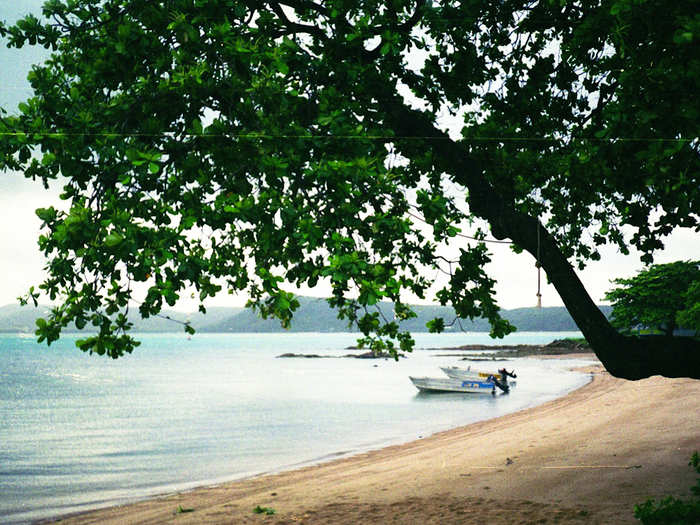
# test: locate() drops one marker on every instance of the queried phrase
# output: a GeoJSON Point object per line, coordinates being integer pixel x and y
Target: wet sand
{"type": "Point", "coordinates": [588, 457]}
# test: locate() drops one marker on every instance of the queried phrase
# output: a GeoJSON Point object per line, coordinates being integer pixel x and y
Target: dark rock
{"type": "Point", "coordinates": [306, 356]}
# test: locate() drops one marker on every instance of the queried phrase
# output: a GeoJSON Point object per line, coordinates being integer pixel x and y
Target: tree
{"type": "Point", "coordinates": [245, 145]}
{"type": "Point", "coordinates": [656, 298]}
{"type": "Point", "coordinates": [689, 317]}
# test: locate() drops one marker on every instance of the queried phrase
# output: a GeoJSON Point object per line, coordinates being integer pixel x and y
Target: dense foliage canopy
{"type": "Point", "coordinates": [663, 297]}
{"type": "Point", "coordinates": [244, 145]}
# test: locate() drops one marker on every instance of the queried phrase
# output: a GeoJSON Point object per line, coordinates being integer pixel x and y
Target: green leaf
{"type": "Point", "coordinates": [282, 67]}
{"type": "Point", "coordinates": [48, 159]}
{"type": "Point", "coordinates": [436, 326]}
{"type": "Point", "coordinates": [683, 37]}
{"type": "Point", "coordinates": [46, 214]}
{"type": "Point", "coordinates": [113, 239]}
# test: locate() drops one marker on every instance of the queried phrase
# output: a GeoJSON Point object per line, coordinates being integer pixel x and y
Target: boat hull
{"type": "Point", "coordinates": [440, 384]}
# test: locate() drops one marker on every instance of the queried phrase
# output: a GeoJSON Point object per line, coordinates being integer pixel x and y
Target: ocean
{"type": "Point", "coordinates": [80, 432]}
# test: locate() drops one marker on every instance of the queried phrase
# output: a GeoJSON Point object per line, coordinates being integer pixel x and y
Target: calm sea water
{"type": "Point", "coordinates": [80, 432]}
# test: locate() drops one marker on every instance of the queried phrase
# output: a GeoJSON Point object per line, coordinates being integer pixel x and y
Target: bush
{"type": "Point", "coordinates": [672, 511]}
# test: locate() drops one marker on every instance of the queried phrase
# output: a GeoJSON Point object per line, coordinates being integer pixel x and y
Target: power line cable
{"type": "Point", "coordinates": [337, 137]}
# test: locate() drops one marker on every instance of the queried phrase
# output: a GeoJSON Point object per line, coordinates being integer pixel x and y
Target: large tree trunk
{"type": "Point", "coordinates": [628, 357]}
{"type": "Point", "coordinates": [623, 356]}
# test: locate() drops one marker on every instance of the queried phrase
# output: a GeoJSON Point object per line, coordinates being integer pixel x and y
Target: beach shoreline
{"type": "Point", "coordinates": [587, 457]}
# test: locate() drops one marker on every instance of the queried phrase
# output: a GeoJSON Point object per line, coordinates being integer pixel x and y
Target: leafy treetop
{"type": "Point", "coordinates": [662, 297]}
{"type": "Point", "coordinates": [245, 145]}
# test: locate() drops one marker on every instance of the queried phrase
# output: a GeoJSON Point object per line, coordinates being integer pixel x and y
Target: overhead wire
{"type": "Point", "coordinates": [335, 137]}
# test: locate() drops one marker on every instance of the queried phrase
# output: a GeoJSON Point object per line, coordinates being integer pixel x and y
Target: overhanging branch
{"type": "Point", "coordinates": [623, 356]}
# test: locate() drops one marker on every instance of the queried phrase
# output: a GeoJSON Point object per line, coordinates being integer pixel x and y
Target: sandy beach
{"type": "Point", "coordinates": [588, 457]}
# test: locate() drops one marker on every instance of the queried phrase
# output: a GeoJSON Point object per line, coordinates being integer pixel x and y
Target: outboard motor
{"type": "Point", "coordinates": [505, 374]}
{"type": "Point", "coordinates": [503, 385]}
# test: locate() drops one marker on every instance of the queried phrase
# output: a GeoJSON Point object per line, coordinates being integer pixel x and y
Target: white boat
{"type": "Point", "coordinates": [468, 374]}
{"type": "Point", "coordinates": [446, 384]}
{"type": "Point", "coordinates": [456, 372]}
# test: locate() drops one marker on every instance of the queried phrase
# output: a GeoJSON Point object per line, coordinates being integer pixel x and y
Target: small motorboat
{"type": "Point", "coordinates": [447, 384]}
{"type": "Point", "coordinates": [500, 378]}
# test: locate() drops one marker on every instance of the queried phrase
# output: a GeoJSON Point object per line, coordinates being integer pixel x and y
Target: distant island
{"type": "Point", "coordinates": [313, 315]}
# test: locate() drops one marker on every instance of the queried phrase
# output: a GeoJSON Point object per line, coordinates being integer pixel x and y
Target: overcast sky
{"type": "Point", "coordinates": [21, 263]}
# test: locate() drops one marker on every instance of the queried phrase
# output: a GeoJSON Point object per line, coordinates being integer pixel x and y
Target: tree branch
{"type": "Point", "coordinates": [623, 356]}
{"type": "Point", "coordinates": [294, 27]}
{"type": "Point", "coordinates": [312, 6]}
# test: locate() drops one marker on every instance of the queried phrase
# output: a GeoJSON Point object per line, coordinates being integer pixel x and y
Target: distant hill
{"type": "Point", "coordinates": [19, 319]}
{"type": "Point", "coordinates": [313, 315]}
{"type": "Point", "coordinates": [15, 318]}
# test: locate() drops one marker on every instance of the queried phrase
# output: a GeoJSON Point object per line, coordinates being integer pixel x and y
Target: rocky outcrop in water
{"type": "Point", "coordinates": [365, 355]}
